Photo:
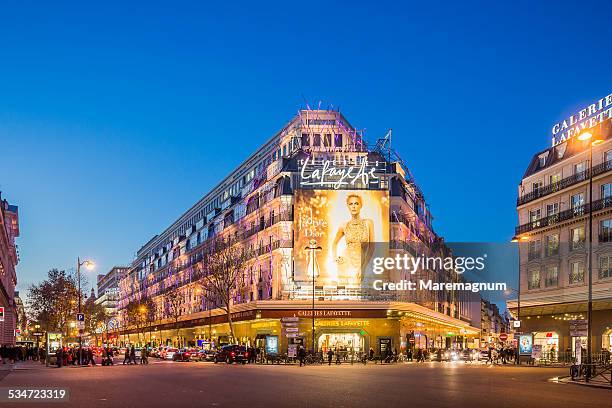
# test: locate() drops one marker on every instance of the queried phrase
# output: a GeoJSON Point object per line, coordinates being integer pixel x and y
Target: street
{"type": "Point", "coordinates": [206, 384]}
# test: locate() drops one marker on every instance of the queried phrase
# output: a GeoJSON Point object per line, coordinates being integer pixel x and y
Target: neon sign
{"type": "Point", "coordinates": [339, 173]}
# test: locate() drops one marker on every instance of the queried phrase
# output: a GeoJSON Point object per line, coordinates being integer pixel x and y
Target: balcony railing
{"type": "Point", "coordinates": [564, 183]}
{"type": "Point", "coordinates": [564, 216]}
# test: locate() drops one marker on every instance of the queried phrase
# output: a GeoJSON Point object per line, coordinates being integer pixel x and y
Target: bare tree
{"type": "Point", "coordinates": [174, 301]}
{"type": "Point", "coordinates": [222, 274]}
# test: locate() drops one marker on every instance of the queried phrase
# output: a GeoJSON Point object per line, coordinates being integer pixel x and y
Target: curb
{"type": "Point", "coordinates": [568, 380]}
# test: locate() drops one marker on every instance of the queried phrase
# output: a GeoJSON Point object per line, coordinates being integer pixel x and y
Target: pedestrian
{"type": "Point", "coordinates": [489, 355]}
{"type": "Point", "coordinates": [330, 355]}
{"type": "Point", "coordinates": [371, 354]}
{"type": "Point", "coordinates": [109, 356]}
{"type": "Point", "coordinates": [126, 358]}
{"type": "Point", "coordinates": [59, 357]}
{"type": "Point", "coordinates": [90, 354]}
{"type": "Point", "coordinates": [302, 355]}
{"type": "Point", "coordinates": [143, 356]}
{"type": "Point", "coordinates": [133, 355]}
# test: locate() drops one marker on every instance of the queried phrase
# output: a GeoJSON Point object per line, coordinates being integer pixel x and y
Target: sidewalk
{"type": "Point", "coordinates": [595, 382]}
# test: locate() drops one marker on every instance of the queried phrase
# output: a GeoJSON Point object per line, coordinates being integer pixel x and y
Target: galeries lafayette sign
{"type": "Point", "coordinates": [339, 173]}
{"type": "Point", "coordinates": [587, 118]}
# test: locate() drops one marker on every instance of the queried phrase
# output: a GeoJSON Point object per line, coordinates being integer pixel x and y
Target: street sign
{"type": "Point", "coordinates": [290, 319]}
{"type": "Point", "coordinates": [578, 328]}
{"type": "Point", "coordinates": [80, 317]}
{"type": "Point", "coordinates": [516, 324]}
{"type": "Point", "coordinates": [503, 337]}
{"type": "Point", "coordinates": [292, 335]}
{"type": "Point", "coordinates": [81, 325]}
{"type": "Point", "coordinates": [2, 314]}
{"type": "Point", "coordinates": [411, 340]}
{"type": "Point", "coordinates": [289, 324]}
{"type": "Point", "coordinates": [292, 329]}
{"type": "Point", "coordinates": [37, 334]}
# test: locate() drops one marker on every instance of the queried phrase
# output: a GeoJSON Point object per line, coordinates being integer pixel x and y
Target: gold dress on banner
{"type": "Point", "coordinates": [356, 233]}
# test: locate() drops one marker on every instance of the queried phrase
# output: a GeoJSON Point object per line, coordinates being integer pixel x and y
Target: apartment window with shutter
{"type": "Point", "coordinates": [576, 272]}
{"type": "Point", "coordinates": [535, 250]}
{"type": "Point", "coordinates": [605, 267]}
{"type": "Point", "coordinates": [533, 282]}
{"type": "Point", "coordinates": [552, 276]}
{"type": "Point", "coordinates": [577, 237]}
{"type": "Point", "coordinates": [552, 245]}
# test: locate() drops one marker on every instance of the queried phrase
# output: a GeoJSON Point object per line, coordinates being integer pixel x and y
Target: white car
{"type": "Point", "coordinates": [169, 354]}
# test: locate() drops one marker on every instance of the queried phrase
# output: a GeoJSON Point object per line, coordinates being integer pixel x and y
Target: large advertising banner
{"type": "Point", "coordinates": [525, 344]}
{"type": "Point", "coordinates": [340, 229]}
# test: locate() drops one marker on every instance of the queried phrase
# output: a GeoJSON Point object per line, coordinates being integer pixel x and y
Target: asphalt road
{"type": "Point", "coordinates": [168, 384]}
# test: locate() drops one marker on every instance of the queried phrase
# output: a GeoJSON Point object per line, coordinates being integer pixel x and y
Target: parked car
{"type": "Point", "coordinates": [202, 355]}
{"type": "Point", "coordinates": [184, 354]}
{"type": "Point", "coordinates": [169, 353]}
{"type": "Point", "coordinates": [232, 353]}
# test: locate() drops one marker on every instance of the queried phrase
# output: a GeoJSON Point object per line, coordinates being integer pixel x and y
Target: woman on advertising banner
{"type": "Point", "coordinates": [358, 234]}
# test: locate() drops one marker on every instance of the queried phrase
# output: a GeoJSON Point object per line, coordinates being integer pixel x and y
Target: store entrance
{"type": "Point", "coordinates": [349, 342]}
{"type": "Point", "coordinates": [606, 340]}
{"type": "Point", "coordinates": [549, 342]}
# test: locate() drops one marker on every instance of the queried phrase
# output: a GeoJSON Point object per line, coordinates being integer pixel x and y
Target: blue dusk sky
{"type": "Point", "coordinates": [116, 117]}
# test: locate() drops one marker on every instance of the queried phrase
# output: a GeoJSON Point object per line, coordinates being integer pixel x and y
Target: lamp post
{"type": "Point", "coordinates": [89, 265]}
{"type": "Point", "coordinates": [313, 248]}
{"type": "Point", "coordinates": [587, 136]}
{"type": "Point", "coordinates": [518, 299]}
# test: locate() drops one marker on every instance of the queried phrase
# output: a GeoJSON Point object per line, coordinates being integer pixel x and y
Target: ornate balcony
{"type": "Point", "coordinates": [564, 183]}
{"type": "Point", "coordinates": [563, 216]}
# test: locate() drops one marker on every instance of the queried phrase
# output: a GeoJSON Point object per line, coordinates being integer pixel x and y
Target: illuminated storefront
{"type": "Point", "coordinates": [312, 207]}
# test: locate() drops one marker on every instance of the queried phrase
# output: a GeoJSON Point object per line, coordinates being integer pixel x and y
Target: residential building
{"type": "Point", "coordinates": [9, 257]}
{"type": "Point", "coordinates": [108, 289]}
{"type": "Point", "coordinates": [553, 205]}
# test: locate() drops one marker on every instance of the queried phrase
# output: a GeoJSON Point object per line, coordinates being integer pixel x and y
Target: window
{"type": "Point", "coordinates": [577, 203]}
{"type": "Point", "coordinates": [555, 178]}
{"type": "Point", "coordinates": [535, 187]}
{"type": "Point", "coordinates": [579, 168]}
{"type": "Point", "coordinates": [338, 140]}
{"type": "Point", "coordinates": [576, 272]}
{"type": "Point", "coordinates": [552, 276]}
{"type": "Point", "coordinates": [534, 215]}
{"type": "Point", "coordinates": [534, 279]}
{"type": "Point", "coordinates": [327, 140]}
{"type": "Point", "coordinates": [608, 156]}
{"type": "Point", "coordinates": [535, 249]}
{"type": "Point", "coordinates": [606, 190]}
{"type": "Point", "coordinates": [285, 150]}
{"type": "Point", "coordinates": [552, 209]}
{"type": "Point", "coordinates": [605, 267]}
{"type": "Point", "coordinates": [316, 142]}
{"type": "Point", "coordinates": [577, 237]}
{"type": "Point", "coordinates": [552, 245]}
{"type": "Point", "coordinates": [605, 231]}
{"type": "Point", "coordinates": [542, 161]}
{"type": "Point", "coordinates": [305, 139]}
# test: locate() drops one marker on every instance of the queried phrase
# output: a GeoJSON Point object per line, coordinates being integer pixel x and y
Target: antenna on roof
{"type": "Point", "coordinates": [306, 102]}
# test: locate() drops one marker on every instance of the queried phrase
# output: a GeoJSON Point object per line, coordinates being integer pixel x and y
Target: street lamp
{"type": "Point", "coordinates": [314, 270]}
{"type": "Point", "coordinates": [89, 265]}
{"type": "Point", "coordinates": [518, 297]}
{"type": "Point", "coordinates": [587, 136]}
